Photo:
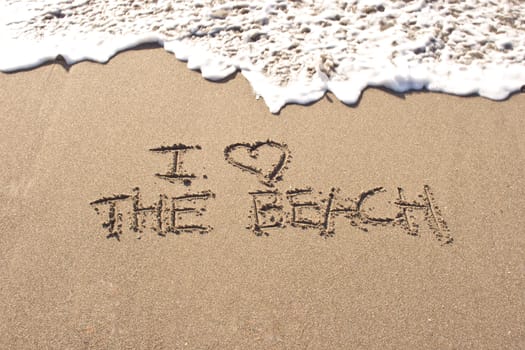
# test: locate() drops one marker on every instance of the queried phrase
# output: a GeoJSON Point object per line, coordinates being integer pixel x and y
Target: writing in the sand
{"type": "Point", "coordinates": [271, 208]}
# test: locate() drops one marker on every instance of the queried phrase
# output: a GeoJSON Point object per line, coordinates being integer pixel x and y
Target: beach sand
{"type": "Point", "coordinates": [361, 276]}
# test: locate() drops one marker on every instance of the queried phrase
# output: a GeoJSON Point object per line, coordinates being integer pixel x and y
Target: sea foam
{"type": "Point", "coordinates": [290, 51]}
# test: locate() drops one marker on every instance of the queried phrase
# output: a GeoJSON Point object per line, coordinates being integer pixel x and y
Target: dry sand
{"type": "Point", "coordinates": [71, 138]}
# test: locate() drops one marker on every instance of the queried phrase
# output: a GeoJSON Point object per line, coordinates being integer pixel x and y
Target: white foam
{"type": "Point", "coordinates": [291, 52]}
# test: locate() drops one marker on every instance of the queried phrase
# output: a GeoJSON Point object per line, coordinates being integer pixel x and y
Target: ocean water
{"type": "Point", "coordinates": [290, 51]}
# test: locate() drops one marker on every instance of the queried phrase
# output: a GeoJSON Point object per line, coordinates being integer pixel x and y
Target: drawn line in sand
{"type": "Point", "coordinates": [316, 211]}
{"type": "Point", "coordinates": [175, 173]}
{"type": "Point", "coordinates": [432, 214]}
{"type": "Point", "coordinates": [114, 223]}
{"type": "Point", "coordinates": [167, 215]}
{"type": "Point", "coordinates": [271, 209]}
{"type": "Point", "coordinates": [248, 158]}
{"type": "Point", "coordinates": [263, 212]}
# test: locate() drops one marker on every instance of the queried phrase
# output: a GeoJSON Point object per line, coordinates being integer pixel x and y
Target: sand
{"type": "Point", "coordinates": [144, 207]}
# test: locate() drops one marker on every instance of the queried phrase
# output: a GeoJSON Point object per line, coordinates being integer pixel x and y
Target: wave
{"type": "Point", "coordinates": [290, 51]}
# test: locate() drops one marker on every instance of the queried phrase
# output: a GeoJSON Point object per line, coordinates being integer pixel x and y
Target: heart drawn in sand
{"type": "Point", "coordinates": [266, 159]}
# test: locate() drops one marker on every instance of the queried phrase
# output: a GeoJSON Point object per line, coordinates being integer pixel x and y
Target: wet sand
{"type": "Point", "coordinates": [145, 207]}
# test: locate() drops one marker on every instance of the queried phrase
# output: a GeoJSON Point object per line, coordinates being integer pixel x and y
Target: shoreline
{"type": "Point", "coordinates": [154, 45]}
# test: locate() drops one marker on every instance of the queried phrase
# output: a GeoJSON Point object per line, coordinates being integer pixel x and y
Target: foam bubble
{"type": "Point", "coordinates": [291, 52]}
